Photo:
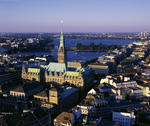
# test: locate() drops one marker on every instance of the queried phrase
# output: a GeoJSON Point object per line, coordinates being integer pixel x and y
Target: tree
{"type": "Point", "coordinates": [79, 45]}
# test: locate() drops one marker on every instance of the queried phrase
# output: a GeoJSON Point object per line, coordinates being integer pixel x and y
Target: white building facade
{"type": "Point", "coordinates": [124, 118]}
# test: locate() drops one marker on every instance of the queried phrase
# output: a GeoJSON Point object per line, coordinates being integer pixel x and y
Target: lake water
{"type": "Point", "coordinates": [73, 42]}
{"type": "Point", "coordinates": [84, 56]}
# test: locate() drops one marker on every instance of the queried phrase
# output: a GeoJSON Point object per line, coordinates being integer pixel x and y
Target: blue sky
{"type": "Point", "coordinates": [78, 15]}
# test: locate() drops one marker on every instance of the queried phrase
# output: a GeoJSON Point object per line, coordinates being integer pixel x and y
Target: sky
{"type": "Point", "coordinates": [78, 15]}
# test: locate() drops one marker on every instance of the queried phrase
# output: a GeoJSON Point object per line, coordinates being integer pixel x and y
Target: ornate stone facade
{"type": "Point", "coordinates": [74, 78]}
{"type": "Point", "coordinates": [33, 74]}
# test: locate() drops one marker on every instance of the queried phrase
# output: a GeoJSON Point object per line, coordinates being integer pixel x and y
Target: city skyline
{"type": "Point", "coordinates": [78, 16]}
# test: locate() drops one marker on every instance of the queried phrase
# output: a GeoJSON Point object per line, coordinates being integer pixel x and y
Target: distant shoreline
{"type": "Point", "coordinates": [93, 47]}
{"type": "Point", "coordinates": [70, 49]}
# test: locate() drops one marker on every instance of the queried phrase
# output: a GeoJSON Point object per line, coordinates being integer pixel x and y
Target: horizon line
{"type": "Point", "coordinates": [81, 32]}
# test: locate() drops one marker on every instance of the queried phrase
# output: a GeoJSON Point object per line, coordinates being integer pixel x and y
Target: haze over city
{"type": "Point", "coordinates": [74, 63]}
{"type": "Point", "coordinates": [78, 15]}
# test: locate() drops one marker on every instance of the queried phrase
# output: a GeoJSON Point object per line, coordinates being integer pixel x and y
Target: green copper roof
{"type": "Point", "coordinates": [71, 73]}
{"type": "Point", "coordinates": [33, 70]}
{"type": "Point", "coordinates": [56, 67]}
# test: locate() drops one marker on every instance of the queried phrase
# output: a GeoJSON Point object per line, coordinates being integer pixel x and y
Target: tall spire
{"type": "Point", "coordinates": [62, 22]}
{"type": "Point", "coordinates": [61, 50]}
{"type": "Point", "coordinates": [61, 36]}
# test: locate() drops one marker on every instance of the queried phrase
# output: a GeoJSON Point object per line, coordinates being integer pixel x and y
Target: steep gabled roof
{"type": "Point", "coordinates": [43, 93]}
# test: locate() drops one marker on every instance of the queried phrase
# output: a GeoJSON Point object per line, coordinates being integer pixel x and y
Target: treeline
{"type": "Point", "coordinates": [43, 45]}
{"type": "Point", "coordinates": [92, 47]}
{"type": "Point", "coordinates": [46, 44]}
{"type": "Point", "coordinates": [2, 40]}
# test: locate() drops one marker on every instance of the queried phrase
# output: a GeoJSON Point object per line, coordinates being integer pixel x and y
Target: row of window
{"type": "Point", "coordinates": [53, 79]}
{"type": "Point", "coordinates": [122, 119]}
{"type": "Point", "coordinates": [18, 95]}
{"type": "Point", "coordinates": [40, 99]}
{"type": "Point", "coordinates": [60, 81]}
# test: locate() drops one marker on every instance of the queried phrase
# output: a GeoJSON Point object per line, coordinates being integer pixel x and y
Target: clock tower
{"type": "Point", "coordinates": [61, 50]}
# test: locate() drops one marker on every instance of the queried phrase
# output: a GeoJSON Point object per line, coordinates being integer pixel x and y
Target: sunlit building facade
{"type": "Point", "coordinates": [59, 72]}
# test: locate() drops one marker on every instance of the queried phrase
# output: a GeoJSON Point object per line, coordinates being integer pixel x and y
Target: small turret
{"type": "Point", "coordinates": [24, 74]}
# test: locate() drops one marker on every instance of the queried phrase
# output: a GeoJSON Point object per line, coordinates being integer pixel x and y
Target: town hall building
{"type": "Point", "coordinates": [59, 72]}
